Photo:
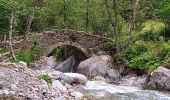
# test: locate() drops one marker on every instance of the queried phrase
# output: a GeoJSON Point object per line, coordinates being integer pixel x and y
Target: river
{"type": "Point", "coordinates": [97, 90]}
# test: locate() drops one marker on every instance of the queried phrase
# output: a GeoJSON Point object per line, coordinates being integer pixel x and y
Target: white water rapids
{"type": "Point", "coordinates": [96, 90]}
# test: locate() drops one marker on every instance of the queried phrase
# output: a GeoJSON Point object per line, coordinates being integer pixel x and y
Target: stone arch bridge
{"type": "Point", "coordinates": [89, 44]}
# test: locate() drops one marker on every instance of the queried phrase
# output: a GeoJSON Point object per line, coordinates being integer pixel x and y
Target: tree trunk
{"type": "Point", "coordinates": [135, 9]}
{"type": "Point", "coordinates": [87, 15]}
{"type": "Point", "coordinates": [64, 13]}
{"type": "Point", "coordinates": [114, 22]}
{"type": "Point", "coordinates": [10, 36]}
{"type": "Point", "coordinates": [4, 44]}
{"type": "Point", "coordinates": [28, 30]}
{"type": "Point", "coordinates": [116, 27]}
{"type": "Point", "coordinates": [132, 19]}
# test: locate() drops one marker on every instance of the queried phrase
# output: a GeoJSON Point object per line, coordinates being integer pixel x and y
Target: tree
{"type": "Point", "coordinates": [114, 22]}
{"type": "Point", "coordinates": [10, 35]}
{"type": "Point", "coordinates": [87, 15]}
{"type": "Point", "coordinates": [164, 15]}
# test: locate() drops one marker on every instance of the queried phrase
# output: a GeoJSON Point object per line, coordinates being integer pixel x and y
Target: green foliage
{"type": "Point", "coordinates": [37, 50]}
{"type": "Point", "coordinates": [149, 57]}
{"type": "Point", "coordinates": [144, 62]}
{"type": "Point", "coordinates": [152, 30]}
{"type": "Point", "coordinates": [25, 56]}
{"type": "Point", "coordinates": [47, 78]}
{"type": "Point", "coordinates": [110, 46]}
{"type": "Point", "coordinates": [72, 37]}
{"type": "Point", "coordinates": [148, 51]}
{"type": "Point", "coordinates": [31, 53]}
{"type": "Point", "coordinates": [152, 17]}
{"type": "Point", "coordinates": [167, 63]}
{"type": "Point", "coordinates": [4, 50]}
{"type": "Point", "coordinates": [134, 51]}
{"type": "Point", "coordinates": [59, 52]}
{"type": "Point", "coordinates": [166, 54]}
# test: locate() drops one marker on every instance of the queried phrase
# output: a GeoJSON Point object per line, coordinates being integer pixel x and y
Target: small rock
{"type": "Point", "coordinates": [77, 95]}
{"type": "Point", "coordinates": [68, 86]}
{"type": "Point", "coordinates": [12, 92]}
{"type": "Point", "coordinates": [13, 87]}
{"type": "Point", "coordinates": [113, 75]}
{"type": "Point", "coordinates": [128, 80]}
{"type": "Point", "coordinates": [6, 92]}
{"type": "Point", "coordinates": [51, 61]}
{"type": "Point", "coordinates": [33, 97]}
{"type": "Point", "coordinates": [139, 81]}
{"type": "Point", "coordinates": [43, 88]}
{"type": "Point", "coordinates": [99, 78]}
{"type": "Point", "coordinates": [21, 94]}
{"type": "Point", "coordinates": [16, 69]}
{"type": "Point", "coordinates": [57, 85]}
{"type": "Point", "coordinates": [1, 92]}
{"type": "Point", "coordinates": [23, 64]}
{"type": "Point", "coordinates": [61, 98]}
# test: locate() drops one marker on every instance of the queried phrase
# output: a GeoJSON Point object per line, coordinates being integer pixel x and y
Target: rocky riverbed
{"type": "Point", "coordinates": [18, 81]}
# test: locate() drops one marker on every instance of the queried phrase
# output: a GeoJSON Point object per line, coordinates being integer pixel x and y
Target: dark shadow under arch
{"type": "Point", "coordinates": [70, 51]}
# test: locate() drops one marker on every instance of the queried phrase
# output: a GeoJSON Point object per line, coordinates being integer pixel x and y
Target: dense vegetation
{"type": "Point", "coordinates": [140, 28]}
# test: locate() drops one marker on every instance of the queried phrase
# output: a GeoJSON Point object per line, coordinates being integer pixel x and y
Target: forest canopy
{"type": "Point", "coordinates": [140, 28]}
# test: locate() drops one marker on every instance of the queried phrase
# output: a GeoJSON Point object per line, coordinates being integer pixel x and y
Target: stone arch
{"type": "Point", "coordinates": [50, 48]}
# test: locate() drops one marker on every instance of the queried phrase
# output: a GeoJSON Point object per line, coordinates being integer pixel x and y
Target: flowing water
{"type": "Point", "coordinates": [96, 90]}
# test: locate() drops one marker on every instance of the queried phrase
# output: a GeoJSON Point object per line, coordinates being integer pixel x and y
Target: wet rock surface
{"type": "Point", "coordinates": [99, 66]}
{"type": "Point", "coordinates": [159, 79]}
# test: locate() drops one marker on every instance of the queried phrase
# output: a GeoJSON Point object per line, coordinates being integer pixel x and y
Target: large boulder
{"type": "Point", "coordinates": [67, 65]}
{"type": "Point", "coordinates": [77, 78]}
{"type": "Point", "coordinates": [159, 80]}
{"type": "Point", "coordinates": [98, 66]}
{"type": "Point", "coordinates": [45, 63]}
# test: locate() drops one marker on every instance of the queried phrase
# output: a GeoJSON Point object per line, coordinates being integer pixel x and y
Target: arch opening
{"type": "Point", "coordinates": [68, 56]}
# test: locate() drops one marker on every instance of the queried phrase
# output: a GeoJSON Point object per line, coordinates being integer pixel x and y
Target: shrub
{"type": "Point", "coordinates": [152, 30]}
{"type": "Point", "coordinates": [4, 50]}
{"type": "Point", "coordinates": [134, 51]}
{"type": "Point", "coordinates": [25, 56]}
{"type": "Point", "coordinates": [148, 51]}
{"type": "Point", "coordinates": [31, 53]}
{"type": "Point", "coordinates": [59, 53]}
{"type": "Point", "coordinates": [37, 50]}
{"type": "Point", "coordinates": [166, 63]}
{"type": "Point", "coordinates": [148, 58]}
{"type": "Point", "coordinates": [140, 62]}
{"type": "Point", "coordinates": [110, 46]}
{"type": "Point", "coordinates": [166, 54]}
{"type": "Point", "coordinates": [47, 78]}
